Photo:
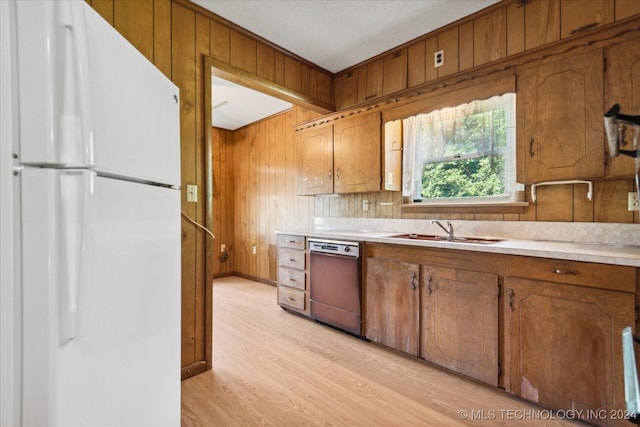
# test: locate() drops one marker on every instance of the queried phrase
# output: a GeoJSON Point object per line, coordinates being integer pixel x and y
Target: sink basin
{"type": "Point", "coordinates": [432, 237]}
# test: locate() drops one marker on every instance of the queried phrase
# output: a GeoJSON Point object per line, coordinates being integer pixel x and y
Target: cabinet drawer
{"type": "Point", "coordinates": [291, 297]}
{"type": "Point", "coordinates": [603, 276]}
{"type": "Point", "coordinates": [291, 258]}
{"type": "Point", "coordinates": [289, 241]}
{"type": "Point", "coordinates": [292, 278]}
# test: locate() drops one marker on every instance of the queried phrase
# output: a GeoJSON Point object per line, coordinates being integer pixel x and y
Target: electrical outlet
{"type": "Point", "coordinates": [633, 202]}
{"type": "Point", "coordinates": [438, 59]}
{"type": "Point", "coordinates": [223, 248]}
{"type": "Point", "coordinates": [254, 250]}
{"type": "Point", "coordinates": [365, 205]}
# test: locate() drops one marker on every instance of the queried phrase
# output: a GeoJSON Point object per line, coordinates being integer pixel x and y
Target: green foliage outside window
{"type": "Point", "coordinates": [479, 177]}
{"type": "Point", "coordinates": [471, 160]}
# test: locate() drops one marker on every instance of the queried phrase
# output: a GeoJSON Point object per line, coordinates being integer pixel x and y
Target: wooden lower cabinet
{"type": "Point", "coordinates": [392, 303]}
{"type": "Point", "coordinates": [563, 345]}
{"type": "Point", "coordinates": [292, 275]}
{"type": "Point", "coordinates": [546, 330]}
{"type": "Point", "coordinates": [459, 321]}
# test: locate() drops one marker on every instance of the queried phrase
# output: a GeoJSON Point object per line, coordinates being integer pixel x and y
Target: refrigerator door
{"type": "Point", "coordinates": [55, 98]}
{"type": "Point", "coordinates": [88, 98]}
{"type": "Point", "coordinates": [120, 365]}
{"type": "Point", "coordinates": [136, 109]}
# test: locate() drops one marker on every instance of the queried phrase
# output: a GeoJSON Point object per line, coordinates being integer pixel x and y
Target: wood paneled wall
{"type": "Point", "coordinates": [264, 197]}
{"type": "Point", "coordinates": [176, 35]}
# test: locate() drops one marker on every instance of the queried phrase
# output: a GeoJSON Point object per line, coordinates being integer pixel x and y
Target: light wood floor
{"type": "Point", "coordinates": [273, 368]}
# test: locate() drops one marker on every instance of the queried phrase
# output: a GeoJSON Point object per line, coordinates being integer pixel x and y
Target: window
{"type": "Point", "coordinates": [461, 154]}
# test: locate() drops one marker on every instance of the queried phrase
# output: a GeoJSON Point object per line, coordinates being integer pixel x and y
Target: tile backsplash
{"type": "Point", "coordinates": [602, 233]}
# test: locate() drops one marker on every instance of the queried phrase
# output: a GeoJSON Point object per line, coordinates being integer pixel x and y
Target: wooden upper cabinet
{"type": "Point", "coordinates": [459, 321]}
{"type": "Point", "coordinates": [563, 345]}
{"type": "Point", "coordinates": [394, 67]}
{"type": "Point", "coordinates": [416, 64]}
{"type": "Point", "coordinates": [515, 29]}
{"type": "Point", "coordinates": [356, 153]}
{"type": "Point", "coordinates": [375, 76]}
{"type": "Point", "coordinates": [392, 303]}
{"type": "Point", "coordinates": [347, 89]}
{"type": "Point", "coordinates": [626, 8]}
{"type": "Point", "coordinates": [576, 18]}
{"type": "Point", "coordinates": [314, 148]}
{"type": "Point", "coordinates": [489, 37]}
{"type": "Point", "coordinates": [340, 158]}
{"type": "Point", "coordinates": [622, 86]}
{"type": "Point", "coordinates": [542, 23]}
{"type": "Point", "coordinates": [559, 118]}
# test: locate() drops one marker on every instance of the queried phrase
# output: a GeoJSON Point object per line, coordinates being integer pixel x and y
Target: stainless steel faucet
{"type": "Point", "coordinates": [448, 229]}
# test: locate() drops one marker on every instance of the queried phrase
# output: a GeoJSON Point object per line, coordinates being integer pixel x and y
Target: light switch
{"type": "Point", "coordinates": [192, 193]}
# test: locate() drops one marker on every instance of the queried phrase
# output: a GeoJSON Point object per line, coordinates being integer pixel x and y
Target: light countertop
{"type": "Point", "coordinates": [606, 253]}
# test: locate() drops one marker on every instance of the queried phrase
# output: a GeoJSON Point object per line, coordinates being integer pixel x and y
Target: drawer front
{"type": "Point", "coordinates": [289, 241]}
{"type": "Point", "coordinates": [291, 297]}
{"type": "Point", "coordinates": [292, 278]}
{"type": "Point", "coordinates": [291, 258]}
{"type": "Point", "coordinates": [602, 276]}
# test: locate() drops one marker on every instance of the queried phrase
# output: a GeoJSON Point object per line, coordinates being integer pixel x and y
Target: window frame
{"type": "Point", "coordinates": [512, 188]}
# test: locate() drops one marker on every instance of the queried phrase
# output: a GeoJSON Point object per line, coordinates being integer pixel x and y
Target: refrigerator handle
{"type": "Point", "coordinates": [76, 115]}
{"type": "Point", "coordinates": [76, 246]}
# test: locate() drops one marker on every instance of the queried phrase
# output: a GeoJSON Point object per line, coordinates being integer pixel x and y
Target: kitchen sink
{"type": "Point", "coordinates": [432, 237]}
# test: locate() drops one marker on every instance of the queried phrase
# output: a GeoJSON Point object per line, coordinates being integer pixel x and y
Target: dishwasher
{"type": "Point", "coordinates": [334, 284]}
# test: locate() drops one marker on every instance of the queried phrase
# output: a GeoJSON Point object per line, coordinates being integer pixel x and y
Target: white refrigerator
{"type": "Point", "coordinates": [90, 224]}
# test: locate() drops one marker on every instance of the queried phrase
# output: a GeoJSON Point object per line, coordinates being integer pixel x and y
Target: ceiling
{"type": "Point", "coordinates": [337, 34]}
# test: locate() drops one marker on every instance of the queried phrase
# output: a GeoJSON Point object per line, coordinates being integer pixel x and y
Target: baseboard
{"type": "Point", "coordinates": [246, 276]}
{"type": "Point", "coordinates": [193, 369]}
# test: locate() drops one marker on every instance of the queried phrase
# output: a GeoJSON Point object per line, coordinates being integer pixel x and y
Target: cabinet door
{"type": "Point", "coordinates": [622, 83]}
{"type": "Point", "coordinates": [315, 161]}
{"type": "Point", "coordinates": [374, 79]}
{"type": "Point", "coordinates": [563, 344]}
{"type": "Point", "coordinates": [541, 23]}
{"type": "Point", "coordinates": [391, 310]}
{"type": "Point", "coordinates": [394, 72]}
{"type": "Point", "coordinates": [576, 18]}
{"type": "Point", "coordinates": [356, 145]}
{"type": "Point", "coordinates": [459, 321]}
{"type": "Point", "coordinates": [560, 127]}
{"type": "Point", "coordinates": [346, 89]}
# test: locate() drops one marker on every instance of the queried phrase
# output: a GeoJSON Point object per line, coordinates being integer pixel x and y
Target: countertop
{"type": "Point", "coordinates": [616, 254]}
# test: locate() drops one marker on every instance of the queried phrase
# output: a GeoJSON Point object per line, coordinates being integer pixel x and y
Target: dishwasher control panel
{"type": "Point", "coordinates": [336, 247]}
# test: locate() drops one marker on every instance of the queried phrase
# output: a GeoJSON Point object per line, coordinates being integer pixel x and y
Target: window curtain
{"type": "Point", "coordinates": [428, 137]}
